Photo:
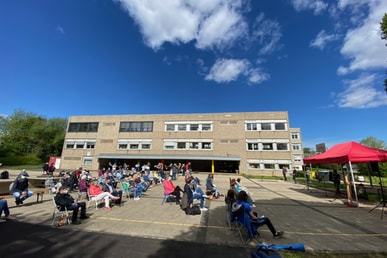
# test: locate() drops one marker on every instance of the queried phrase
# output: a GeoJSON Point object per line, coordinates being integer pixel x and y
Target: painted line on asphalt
{"type": "Point", "coordinates": [220, 227]}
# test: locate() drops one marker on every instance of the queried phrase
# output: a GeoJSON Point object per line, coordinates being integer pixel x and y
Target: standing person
{"type": "Point", "coordinates": [284, 171]}
{"type": "Point", "coordinates": [294, 175]}
{"type": "Point", "coordinates": [336, 182]}
{"type": "Point", "coordinates": [65, 200]}
{"type": "Point", "coordinates": [19, 188]}
{"type": "Point", "coordinates": [51, 169]}
{"type": "Point", "coordinates": [307, 174]}
{"type": "Point", "coordinates": [45, 168]}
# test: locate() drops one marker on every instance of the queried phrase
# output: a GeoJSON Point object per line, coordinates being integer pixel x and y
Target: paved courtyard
{"type": "Point", "coordinates": [146, 228]}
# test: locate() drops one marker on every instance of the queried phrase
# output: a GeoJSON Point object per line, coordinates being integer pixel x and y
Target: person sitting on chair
{"type": "Point", "coordinates": [194, 194]}
{"type": "Point", "coordinates": [169, 188]}
{"type": "Point", "coordinates": [242, 200]}
{"type": "Point", "coordinates": [66, 201]}
{"type": "Point", "coordinates": [108, 187]}
{"type": "Point", "coordinates": [98, 194]}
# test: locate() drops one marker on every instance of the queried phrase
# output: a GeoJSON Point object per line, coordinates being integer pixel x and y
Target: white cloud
{"type": "Point", "coordinates": [362, 45]}
{"type": "Point", "coordinates": [226, 70]}
{"type": "Point", "coordinates": [60, 30]}
{"type": "Point", "coordinates": [256, 76]}
{"type": "Point", "coordinates": [209, 23]}
{"type": "Point", "coordinates": [221, 28]}
{"type": "Point", "coordinates": [316, 6]}
{"type": "Point", "coordinates": [322, 39]}
{"type": "Point", "coordinates": [360, 93]}
{"type": "Point", "coordinates": [267, 33]}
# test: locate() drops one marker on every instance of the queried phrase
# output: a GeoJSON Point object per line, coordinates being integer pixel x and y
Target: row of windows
{"type": "Point", "coordinates": [147, 126]}
{"type": "Point", "coordinates": [267, 165]}
{"type": "Point", "coordinates": [262, 126]}
{"type": "Point", "coordinates": [188, 145]}
{"type": "Point", "coordinates": [191, 126]}
{"type": "Point", "coordinates": [80, 144]}
{"type": "Point", "coordinates": [267, 146]}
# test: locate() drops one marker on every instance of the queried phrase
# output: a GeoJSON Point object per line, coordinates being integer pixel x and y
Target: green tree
{"type": "Point", "coordinates": [383, 27]}
{"type": "Point", "coordinates": [26, 137]}
{"type": "Point", "coordinates": [372, 142]}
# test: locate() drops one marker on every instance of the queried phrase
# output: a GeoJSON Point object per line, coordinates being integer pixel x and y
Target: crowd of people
{"type": "Point", "coordinates": [112, 182]}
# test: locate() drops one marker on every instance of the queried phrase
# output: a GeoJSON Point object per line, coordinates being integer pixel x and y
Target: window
{"type": "Point", "coordinates": [83, 127]}
{"type": "Point", "coordinates": [122, 146]}
{"type": "Point", "coordinates": [251, 127]}
{"type": "Point", "coordinates": [181, 145]}
{"type": "Point", "coordinates": [297, 158]}
{"type": "Point", "coordinates": [133, 146]}
{"type": "Point", "coordinates": [296, 146]}
{"type": "Point", "coordinates": [170, 127]}
{"type": "Point", "coordinates": [90, 145]}
{"type": "Point", "coordinates": [194, 145]}
{"type": "Point", "coordinates": [295, 136]}
{"type": "Point", "coordinates": [267, 146]}
{"type": "Point", "coordinates": [146, 146]}
{"type": "Point", "coordinates": [252, 146]}
{"type": "Point", "coordinates": [136, 127]}
{"type": "Point", "coordinates": [169, 146]}
{"type": "Point", "coordinates": [206, 145]}
{"type": "Point", "coordinates": [282, 146]}
{"type": "Point", "coordinates": [265, 126]}
{"type": "Point", "coordinates": [182, 127]}
{"type": "Point", "coordinates": [194, 127]}
{"type": "Point", "coordinates": [279, 126]}
{"type": "Point", "coordinates": [70, 146]}
{"type": "Point", "coordinates": [206, 127]}
{"type": "Point", "coordinates": [254, 165]}
{"type": "Point", "coordinates": [79, 145]}
{"type": "Point", "coordinates": [87, 161]}
{"type": "Point", "coordinates": [268, 166]}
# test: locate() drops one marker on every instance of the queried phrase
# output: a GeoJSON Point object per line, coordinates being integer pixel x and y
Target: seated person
{"type": "Point", "coordinates": [4, 207]}
{"type": "Point", "coordinates": [235, 187]}
{"type": "Point", "coordinates": [65, 200]}
{"type": "Point", "coordinates": [130, 185]}
{"type": "Point", "coordinates": [108, 187]}
{"type": "Point", "coordinates": [194, 194]}
{"type": "Point", "coordinates": [67, 181]}
{"type": "Point", "coordinates": [211, 188]}
{"type": "Point", "coordinates": [83, 184]}
{"type": "Point", "coordinates": [255, 221]}
{"type": "Point", "coordinates": [19, 188]}
{"type": "Point", "coordinates": [169, 188]}
{"type": "Point", "coordinates": [96, 192]}
{"type": "Point", "coordinates": [230, 199]}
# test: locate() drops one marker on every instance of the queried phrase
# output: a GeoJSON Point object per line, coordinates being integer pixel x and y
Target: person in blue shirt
{"type": "Point", "coordinates": [255, 220]}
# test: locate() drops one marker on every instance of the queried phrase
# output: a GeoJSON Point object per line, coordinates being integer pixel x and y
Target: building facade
{"type": "Point", "coordinates": [257, 143]}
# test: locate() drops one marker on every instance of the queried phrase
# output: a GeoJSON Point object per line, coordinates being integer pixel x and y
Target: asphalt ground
{"type": "Point", "coordinates": [145, 228]}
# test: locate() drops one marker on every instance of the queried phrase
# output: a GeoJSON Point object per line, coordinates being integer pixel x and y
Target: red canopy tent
{"type": "Point", "coordinates": [349, 152]}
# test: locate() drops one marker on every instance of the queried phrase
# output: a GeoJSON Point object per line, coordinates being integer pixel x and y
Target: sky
{"type": "Point", "coordinates": [323, 62]}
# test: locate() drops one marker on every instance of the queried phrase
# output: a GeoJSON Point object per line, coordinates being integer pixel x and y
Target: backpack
{"type": "Point", "coordinates": [4, 175]}
{"type": "Point", "coordinates": [195, 210]}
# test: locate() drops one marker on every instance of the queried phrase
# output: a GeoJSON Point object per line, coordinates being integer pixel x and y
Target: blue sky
{"type": "Point", "coordinates": [322, 61]}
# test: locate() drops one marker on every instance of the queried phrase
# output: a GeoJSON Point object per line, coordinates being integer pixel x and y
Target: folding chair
{"type": "Point", "coordinates": [127, 189]}
{"type": "Point", "coordinates": [244, 224]}
{"type": "Point", "coordinates": [59, 217]}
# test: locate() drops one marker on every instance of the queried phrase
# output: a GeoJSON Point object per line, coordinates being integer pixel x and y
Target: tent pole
{"type": "Point", "coordinates": [353, 182]}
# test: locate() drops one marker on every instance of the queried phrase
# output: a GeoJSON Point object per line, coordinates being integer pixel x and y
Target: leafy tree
{"type": "Point", "coordinates": [378, 144]}
{"type": "Point", "coordinates": [383, 27]}
{"type": "Point", "coordinates": [25, 134]}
